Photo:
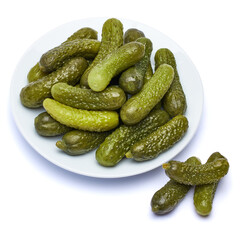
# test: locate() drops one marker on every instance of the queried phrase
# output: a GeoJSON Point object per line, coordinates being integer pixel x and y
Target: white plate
{"type": "Point", "coordinates": [87, 164]}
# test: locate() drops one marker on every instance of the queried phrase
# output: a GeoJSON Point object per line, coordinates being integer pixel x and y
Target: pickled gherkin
{"type": "Point", "coordinates": [121, 59]}
{"type": "Point", "coordinates": [112, 39]}
{"type": "Point", "coordinates": [139, 105]}
{"type": "Point", "coordinates": [160, 140]}
{"type": "Point", "coordinates": [35, 72]}
{"type": "Point", "coordinates": [204, 194]}
{"type": "Point", "coordinates": [131, 80]}
{"type": "Point", "coordinates": [46, 126]}
{"type": "Point", "coordinates": [34, 93]}
{"type": "Point", "coordinates": [77, 142]}
{"type": "Point", "coordinates": [111, 98]}
{"type": "Point", "coordinates": [54, 58]}
{"type": "Point", "coordinates": [167, 198]}
{"type": "Point", "coordinates": [132, 34]}
{"type": "Point", "coordinates": [174, 101]}
{"type": "Point", "coordinates": [196, 175]}
{"type": "Point", "coordinates": [96, 121]}
{"type": "Point", "coordinates": [115, 146]}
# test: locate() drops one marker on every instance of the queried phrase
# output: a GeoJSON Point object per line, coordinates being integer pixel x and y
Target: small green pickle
{"type": "Point", "coordinates": [196, 175]}
{"type": "Point", "coordinates": [132, 34]}
{"type": "Point", "coordinates": [204, 194]}
{"type": "Point", "coordinates": [46, 126]}
{"type": "Point", "coordinates": [96, 121]}
{"type": "Point", "coordinates": [77, 142]}
{"type": "Point", "coordinates": [167, 198]}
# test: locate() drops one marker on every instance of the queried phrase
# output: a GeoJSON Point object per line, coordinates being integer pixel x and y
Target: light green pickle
{"type": "Point", "coordinates": [169, 196]}
{"type": "Point", "coordinates": [34, 93]}
{"type": "Point", "coordinates": [204, 194]}
{"type": "Point", "coordinates": [46, 126]}
{"type": "Point", "coordinates": [35, 73]}
{"type": "Point", "coordinates": [117, 144]}
{"type": "Point", "coordinates": [121, 59]}
{"type": "Point", "coordinates": [139, 105]}
{"type": "Point", "coordinates": [54, 58]}
{"type": "Point", "coordinates": [111, 98]}
{"type": "Point", "coordinates": [97, 121]}
{"type": "Point", "coordinates": [78, 142]}
{"type": "Point", "coordinates": [160, 140]}
{"type": "Point", "coordinates": [112, 39]}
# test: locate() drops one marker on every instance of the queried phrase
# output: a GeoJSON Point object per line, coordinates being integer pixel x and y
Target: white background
{"type": "Point", "coordinates": [42, 201]}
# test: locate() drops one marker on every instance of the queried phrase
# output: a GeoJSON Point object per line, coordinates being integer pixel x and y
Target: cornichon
{"type": "Point", "coordinates": [121, 59]}
{"type": "Point", "coordinates": [35, 72]}
{"type": "Point", "coordinates": [131, 80]}
{"type": "Point", "coordinates": [115, 146]}
{"type": "Point", "coordinates": [132, 34]}
{"type": "Point", "coordinates": [97, 121]}
{"type": "Point", "coordinates": [46, 126]}
{"type": "Point", "coordinates": [204, 194]}
{"type": "Point", "coordinates": [112, 39]}
{"type": "Point", "coordinates": [160, 140]}
{"type": "Point", "coordinates": [196, 175]}
{"type": "Point", "coordinates": [167, 198]}
{"type": "Point", "coordinates": [77, 142]}
{"type": "Point", "coordinates": [148, 74]}
{"type": "Point", "coordinates": [174, 101]}
{"type": "Point", "coordinates": [139, 105]}
{"type": "Point", "coordinates": [54, 58]}
{"type": "Point", "coordinates": [34, 93]}
{"type": "Point", "coordinates": [111, 98]}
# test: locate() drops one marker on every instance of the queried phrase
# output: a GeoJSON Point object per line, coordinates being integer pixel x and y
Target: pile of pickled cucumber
{"type": "Point", "coordinates": [184, 175]}
{"type": "Point", "coordinates": [106, 95]}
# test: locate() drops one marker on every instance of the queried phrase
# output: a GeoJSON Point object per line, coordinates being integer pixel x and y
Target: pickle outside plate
{"type": "Point", "coordinates": [87, 164]}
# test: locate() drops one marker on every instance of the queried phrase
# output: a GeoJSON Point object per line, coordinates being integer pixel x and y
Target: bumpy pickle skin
{"type": "Point", "coordinates": [78, 142]}
{"type": "Point", "coordinates": [174, 101]}
{"type": "Point", "coordinates": [116, 62]}
{"type": "Point", "coordinates": [34, 93]}
{"type": "Point", "coordinates": [54, 58]}
{"type": "Point", "coordinates": [115, 146]}
{"type": "Point", "coordinates": [111, 98]}
{"type": "Point", "coordinates": [98, 121]}
{"type": "Point", "coordinates": [160, 140]}
{"type": "Point", "coordinates": [196, 175]}
{"type": "Point", "coordinates": [131, 80]}
{"type": "Point", "coordinates": [112, 39]}
{"type": "Point", "coordinates": [139, 105]}
{"type": "Point", "coordinates": [132, 34]}
{"type": "Point", "coordinates": [46, 126]}
{"type": "Point", "coordinates": [169, 196]}
{"type": "Point", "coordinates": [35, 72]}
{"type": "Point", "coordinates": [204, 194]}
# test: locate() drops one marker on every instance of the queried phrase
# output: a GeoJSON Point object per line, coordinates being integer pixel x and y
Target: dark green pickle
{"type": "Point", "coordinates": [46, 126]}
{"type": "Point", "coordinates": [196, 175]}
{"type": "Point", "coordinates": [132, 34]}
{"type": "Point", "coordinates": [111, 98]}
{"type": "Point", "coordinates": [77, 142]}
{"type": "Point", "coordinates": [204, 194]}
{"type": "Point", "coordinates": [160, 140]}
{"type": "Point", "coordinates": [54, 58]}
{"type": "Point", "coordinates": [174, 101]}
{"type": "Point", "coordinates": [35, 73]}
{"type": "Point", "coordinates": [116, 145]}
{"type": "Point", "coordinates": [112, 39]}
{"type": "Point", "coordinates": [131, 80]}
{"type": "Point", "coordinates": [34, 93]}
{"type": "Point", "coordinates": [167, 198]}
